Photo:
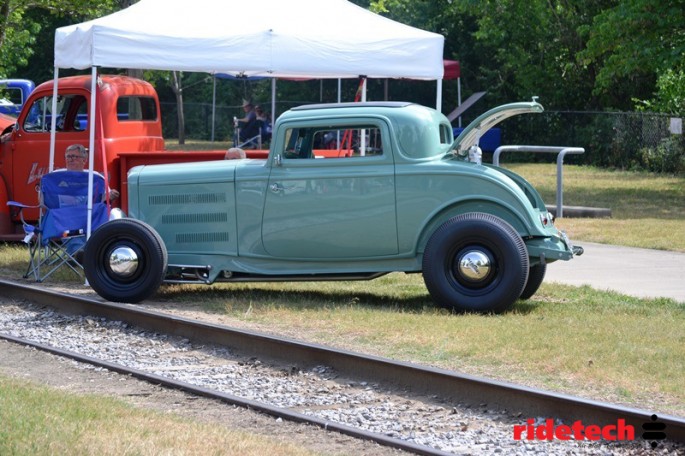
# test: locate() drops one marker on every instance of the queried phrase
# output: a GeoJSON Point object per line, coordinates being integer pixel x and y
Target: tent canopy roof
{"type": "Point", "coordinates": [274, 38]}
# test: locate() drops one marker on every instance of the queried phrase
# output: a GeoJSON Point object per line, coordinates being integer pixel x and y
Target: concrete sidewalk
{"type": "Point", "coordinates": [627, 270]}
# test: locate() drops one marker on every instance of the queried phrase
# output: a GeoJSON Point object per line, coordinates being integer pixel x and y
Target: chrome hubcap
{"type": "Point", "coordinates": [474, 266]}
{"type": "Point", "coordinates": [123, 261]}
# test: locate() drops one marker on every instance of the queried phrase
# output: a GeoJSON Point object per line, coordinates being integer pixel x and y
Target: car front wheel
{"type": "Point", "coordinates": [475, 262]}
{"type": "Point", "coordinates": [125, 260]}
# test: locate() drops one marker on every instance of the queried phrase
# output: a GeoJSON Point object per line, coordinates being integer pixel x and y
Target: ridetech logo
{"type": "Point", "coordinates": [577, 431]}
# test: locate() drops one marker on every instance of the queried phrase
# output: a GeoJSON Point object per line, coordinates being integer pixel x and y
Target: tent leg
{"type": "Point", "coordinates": [273, 101]}
{"type": "Point", "coordinates": [213, 104]}
{"type": "Point", "coordinates": [91, 144]}
{"type": "Point", "coordinates": [53, 124]}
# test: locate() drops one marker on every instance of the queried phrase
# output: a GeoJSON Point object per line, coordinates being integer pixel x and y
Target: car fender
{"type": "Point", "coordinates": [468, 206]}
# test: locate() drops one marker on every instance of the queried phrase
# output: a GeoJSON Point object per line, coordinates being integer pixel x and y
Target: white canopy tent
{"type": "Point", "coordinates": [272, 38]}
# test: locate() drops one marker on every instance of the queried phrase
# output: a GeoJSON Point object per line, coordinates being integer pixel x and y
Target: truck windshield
{"type": "Point", "coordinates": [71, 114]}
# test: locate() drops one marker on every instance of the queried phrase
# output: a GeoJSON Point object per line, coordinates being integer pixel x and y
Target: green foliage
{"type": "Point", "coordinates": [580, 54]}
{"type": "Point", "coordinates": [667, 157]}
{"type": "Point", "coordinates": [631, 42]}
{"type": "Point", "coordinates": [19, 29]}
{"type": "Point", "coordinates": [670, 95]}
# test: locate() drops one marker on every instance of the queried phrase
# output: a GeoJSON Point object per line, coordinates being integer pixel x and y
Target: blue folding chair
{"type": "Point", "coordinates": [60, 233]}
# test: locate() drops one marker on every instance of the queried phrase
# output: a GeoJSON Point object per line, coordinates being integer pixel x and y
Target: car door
{"type": "Point", "coordinates": [331, 192]}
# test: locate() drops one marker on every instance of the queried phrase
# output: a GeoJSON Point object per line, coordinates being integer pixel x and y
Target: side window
{"type": "Point", "coordinates": [334, 142]}
{"type": "Point", "coordinates": [446, 136]}
{"type": "Point", "coordinates": [136, 108]}
{"type": "Point", "coordinates": [71, 114]}
{"type": "Point", "coordinates": [81, 121]}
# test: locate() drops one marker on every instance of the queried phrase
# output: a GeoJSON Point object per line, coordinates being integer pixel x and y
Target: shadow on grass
{"type": "Point", "coordinates": [243, 298]}
{"type": "Point", "coordinates": [217, 299]}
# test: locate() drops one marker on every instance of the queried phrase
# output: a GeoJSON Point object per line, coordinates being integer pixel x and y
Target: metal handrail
{"type": "Point", "coordinates": [561, 153]}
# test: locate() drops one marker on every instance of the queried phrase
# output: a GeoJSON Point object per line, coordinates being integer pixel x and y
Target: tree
{"type": "Point", "coordinates": [511, 49]}
{"type": "Point", "coordinates": [19, 29]}
{"type": "Point", "coordinates": [177, 87]}
{"type": "Point", "coordinates": [632, 43]}
{"type": "Point", "coordinates": [670, 95]}
{"type": "Point", "coordinates": [574, 54]}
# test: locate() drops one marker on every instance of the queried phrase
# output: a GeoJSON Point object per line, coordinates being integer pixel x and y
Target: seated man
{"type": "Point", "coordinates": [234, 153]}
{"type": "Point", "coordinates": [76, 157]}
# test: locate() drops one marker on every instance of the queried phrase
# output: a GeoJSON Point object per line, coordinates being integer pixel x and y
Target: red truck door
{"type": "Point", "coordinates": [31, 153]}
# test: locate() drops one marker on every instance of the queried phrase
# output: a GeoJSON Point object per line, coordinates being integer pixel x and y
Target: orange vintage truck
{"type": "Point", "coordinates": [128, 133]}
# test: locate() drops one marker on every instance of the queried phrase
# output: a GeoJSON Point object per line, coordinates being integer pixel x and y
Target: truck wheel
{"type": "Point", "coordinates": [475, 262]}
{"type": "Point", "coordinates": [125, 260]}
{"type": "Point", "coordinates": [536, 274]}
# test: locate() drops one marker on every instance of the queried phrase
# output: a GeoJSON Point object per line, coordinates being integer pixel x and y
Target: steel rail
{"type": "Point", "coordinates": [441, 383]}
{"type": "Point", "coordinates": [277, 412]}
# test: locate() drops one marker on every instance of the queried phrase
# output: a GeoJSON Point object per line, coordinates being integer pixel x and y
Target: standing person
{"type": "Point", "coordinates": [249, 125]}
{"type": "Point", "coordinates": [265, 123]}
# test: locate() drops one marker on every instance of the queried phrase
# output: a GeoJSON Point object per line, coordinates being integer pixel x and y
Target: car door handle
{"type": "Point", "coordinates": [275, 188]}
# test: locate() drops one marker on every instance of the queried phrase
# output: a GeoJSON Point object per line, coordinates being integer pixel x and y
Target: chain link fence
{"type": "Point", "coordinates": [624, 140]}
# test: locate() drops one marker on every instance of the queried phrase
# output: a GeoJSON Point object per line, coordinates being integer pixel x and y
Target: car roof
{"type": "Point", "coordinates": [365, 104]}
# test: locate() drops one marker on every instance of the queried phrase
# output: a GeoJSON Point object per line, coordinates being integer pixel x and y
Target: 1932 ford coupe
{"type": "Point", "coordinates": [349, 191]}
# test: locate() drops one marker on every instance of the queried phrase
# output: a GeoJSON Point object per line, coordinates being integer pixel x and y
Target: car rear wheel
{"type": "Point", "coordinates": [475, 262]}
{"type": "Point", "coordinates": [536, 274]}
{"type": "Point", "coordinates": [125, 260]}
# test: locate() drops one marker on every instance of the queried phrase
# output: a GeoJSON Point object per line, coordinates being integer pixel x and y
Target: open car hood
{"type": "Point", "coordinates": [472, 133]}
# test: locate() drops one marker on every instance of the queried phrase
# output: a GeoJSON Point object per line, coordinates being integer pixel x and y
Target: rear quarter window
{"type": "Point", "coordinates": [136, 108]}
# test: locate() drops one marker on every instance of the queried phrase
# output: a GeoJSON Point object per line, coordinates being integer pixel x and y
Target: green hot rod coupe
{"type": "Point", "coordinates": [349, 191]}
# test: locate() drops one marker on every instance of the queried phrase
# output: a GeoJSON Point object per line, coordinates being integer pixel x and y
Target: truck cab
{"type": "Point", "coordinates": [13, 95]}
{"type": "Point", "coordinates": [128, 120]}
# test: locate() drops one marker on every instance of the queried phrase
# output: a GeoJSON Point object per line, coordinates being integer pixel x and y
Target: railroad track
{"type": "Point", "coordinates": [442, 385]}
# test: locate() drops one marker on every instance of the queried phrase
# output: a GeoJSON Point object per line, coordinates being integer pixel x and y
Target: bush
{"type": "Point", "coordinates": [667, 157]}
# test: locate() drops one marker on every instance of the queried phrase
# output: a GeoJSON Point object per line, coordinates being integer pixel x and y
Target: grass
{"type": "Point", "coordinates": [194, 144]}
{"type": "Point", "coordinates": [648, 210]}
{"type": "Point", "coordinates": [40, 421]}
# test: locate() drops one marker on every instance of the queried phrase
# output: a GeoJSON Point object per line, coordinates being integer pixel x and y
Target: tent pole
{"type": "Point", "coordinates": [213, 103]}
{"type": "Point", "coordinates": [53, 123]}
{"type": "Point", "coordinates": [459, 97]}
{"type": "Point", "coordinates": [273, 101]}
{"type": "Point", "coordinates": [91, 146]}
{"type": "Point", "coordinates": [362, 142]}
{"type": "Point", "coordinates": [438, 101]}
